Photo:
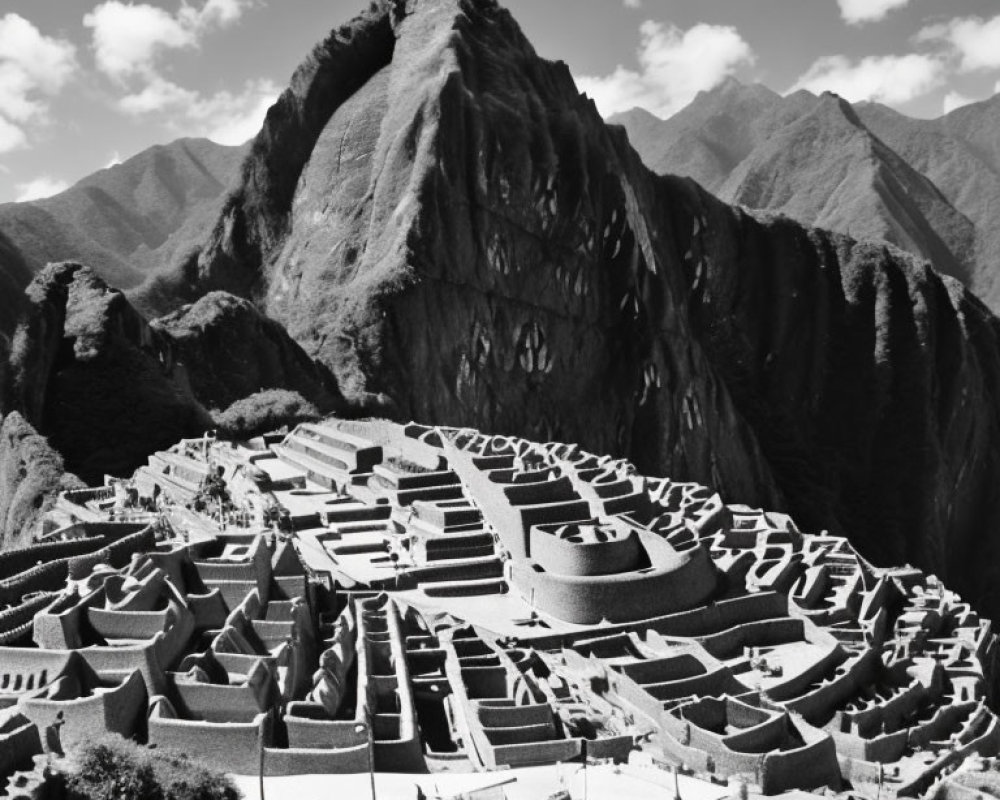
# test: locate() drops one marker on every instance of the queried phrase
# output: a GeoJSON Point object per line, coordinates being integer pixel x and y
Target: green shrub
{"type": "Point", "coordinates": [262, 412]}
{"type": "Point", "coordinates": [115, 769]}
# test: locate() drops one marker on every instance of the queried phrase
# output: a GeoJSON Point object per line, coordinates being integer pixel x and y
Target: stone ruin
{"type": "Point", "coordinates": [412, 598]}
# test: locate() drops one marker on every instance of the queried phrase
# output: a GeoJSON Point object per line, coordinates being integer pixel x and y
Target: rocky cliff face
{"type": "Point", "coordinates": [107, 388]}
{"type": "Point", "coordinates": [871, 381]}
{"type": "Point", "coordinates": [435, 213]}
{"type": "Point", "coordinates": [91, 375]}
{"type": "Point", "coordinates": [231, 351]}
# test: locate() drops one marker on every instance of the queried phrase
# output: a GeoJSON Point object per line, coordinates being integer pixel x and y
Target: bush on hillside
{"type": "Point", "coordinates": [113, 768]}
{"type": "Point", "coordinates": [264, 411]}
{"type": "Point", "coordinates": [31, 477]}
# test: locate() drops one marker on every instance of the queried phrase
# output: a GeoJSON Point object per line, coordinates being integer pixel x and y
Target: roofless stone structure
{"type": "Point", "coordinates": [436, 598]}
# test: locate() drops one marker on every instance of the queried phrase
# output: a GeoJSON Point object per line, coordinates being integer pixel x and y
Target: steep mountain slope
{"type": "Point", "coordinates": [707, 139]}
{"type": "Point", "coordinates": [129, 219]}
{"type": "Point", "coordinates": [437, 215]}
{"type": "Point", "coordinates": [827, 169]}
{"type": "Point", "coordinates": [931, 187]}
{"type": "Point", "coordinates": [810, 158]}
{"type": "Point", "coordinates": [960, 153]}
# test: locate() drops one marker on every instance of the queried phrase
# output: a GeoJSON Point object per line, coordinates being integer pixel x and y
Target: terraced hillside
{"type": "Point", "coordinates": [451, 601]}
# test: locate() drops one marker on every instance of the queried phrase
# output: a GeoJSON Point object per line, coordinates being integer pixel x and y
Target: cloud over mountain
{"type": "Point", "coordinates": [974, 41]}
{"type": "Point", "coordinates": [674, 65]}
{"type": "Point", "coordinates": [886, 79]}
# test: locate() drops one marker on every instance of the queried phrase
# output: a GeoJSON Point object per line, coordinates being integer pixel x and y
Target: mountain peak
{"type": "Point", "coordinates": [732, 89]}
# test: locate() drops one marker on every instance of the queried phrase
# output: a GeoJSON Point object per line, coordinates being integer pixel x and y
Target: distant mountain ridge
{"type": "Point", "coordinates": [931, 187]}
{"type": "Point", "coordinates": [128, 220]}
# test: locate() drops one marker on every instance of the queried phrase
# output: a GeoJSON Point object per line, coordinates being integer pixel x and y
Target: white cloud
{"type": "Point", "coordinates": [886, 79]}
{"type": "Point", "coordinates": [11, 136]}
{"type": "Point", "coordinates": [674, 66]}
{"type": "Point", "coordinates": [158, 95]}
{"type": "Point", "coordinates": [128, 38]}
{"type": "Point", "coordinates": [954, 100]}
{"type": "Point", "coordinates": [33, 68]}
{"type": "Point", "coordinates": [633, 4]}
{"type": "Point", "coordinates": [858, 12]}
{"type": "Point", "coordinates": [975, 41]}
{"type": "Point", "coordinates": [38, 188]}
{"type": "Point", "coordinates": [129, 41]}
{"type": "Point", "coordinates": [225, 117]}
{"type": "Point", "coordinates": [216, 12]}
{"type": "Point", "coordinates": [18, 100]}
{"type": "Point", "coordinates": [114, 160]}
{"type": "Point", "coordinates": [229, 118]}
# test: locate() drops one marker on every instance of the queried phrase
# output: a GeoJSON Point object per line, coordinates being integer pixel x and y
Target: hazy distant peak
{"type": "Point", "coordinates": [130, 219]}
{"type": "Point", "coordinates": [636, 114]}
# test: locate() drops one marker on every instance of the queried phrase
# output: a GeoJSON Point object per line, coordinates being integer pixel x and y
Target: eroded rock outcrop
{"type": "Point", "coordinates": [95, 378]}
{"type": "Point", "coordinates": [107, 388]}
{"type": "Point", "coordinates": [230, 351]}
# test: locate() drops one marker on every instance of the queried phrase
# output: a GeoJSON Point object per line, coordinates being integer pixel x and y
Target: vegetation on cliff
{"type": "Point", "coordinates": [262, 412]}
{"type": "Point", "coordinates": [31, 476]}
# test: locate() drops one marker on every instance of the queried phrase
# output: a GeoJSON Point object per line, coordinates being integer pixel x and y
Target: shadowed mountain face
{"type": "Point", "coordinates": [14, 276]}
{"type": "Point", "coordinates": [928, 186]}
{"type": "Point", "coordinates": [127, 220]}
{"type": "Point", "coordinates": [435, 214]}
{"type": "Point", "coordinates": [107, 388]}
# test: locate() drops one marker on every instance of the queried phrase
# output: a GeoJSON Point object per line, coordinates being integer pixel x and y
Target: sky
{"type": "Point", "coordinates": [85, 84]}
